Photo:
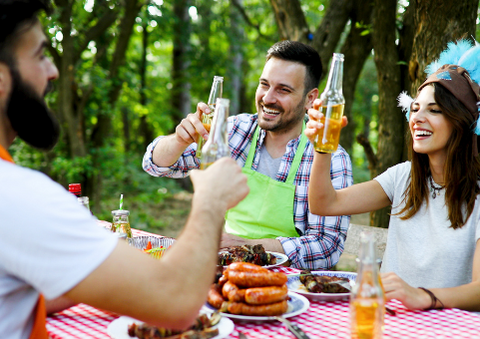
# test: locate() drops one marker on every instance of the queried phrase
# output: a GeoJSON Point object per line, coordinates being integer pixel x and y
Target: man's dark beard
{"type": "Point", "coordinates": [30, 117]}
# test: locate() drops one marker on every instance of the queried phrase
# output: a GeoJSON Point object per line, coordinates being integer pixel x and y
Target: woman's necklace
{"type": "Point", "coordinates": [435, 188]}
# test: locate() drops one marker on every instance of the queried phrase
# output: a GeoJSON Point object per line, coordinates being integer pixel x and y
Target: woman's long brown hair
{"type": "Point", "coordinates": [462, 168]}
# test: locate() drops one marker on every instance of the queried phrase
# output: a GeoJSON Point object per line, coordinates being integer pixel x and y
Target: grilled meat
{"type": "Point", "coordinates": [322, 283]}
{"type": "Point", "coordinates": [254, 254]}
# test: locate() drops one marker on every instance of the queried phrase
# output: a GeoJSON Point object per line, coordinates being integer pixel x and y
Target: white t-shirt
{"type": "Point", "coordinates": [424, 250]}
{"type": "Point", "coordinates": [48, 244]}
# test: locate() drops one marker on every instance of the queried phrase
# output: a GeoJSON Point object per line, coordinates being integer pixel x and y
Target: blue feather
{"type": "Point", "coordinates": [450, 56]}
{"type": "Point", "coordinates": [471, 62]}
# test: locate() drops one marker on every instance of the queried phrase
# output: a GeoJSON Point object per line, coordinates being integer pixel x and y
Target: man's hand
{"type": "Point", "coordinates": [223, 183]}
{"type": "Point", "coordinates": [191, 127]}
{"type": "Point", "coordinates": [314, 125]}
{"type": "Point", "coordinates": [169, 149]}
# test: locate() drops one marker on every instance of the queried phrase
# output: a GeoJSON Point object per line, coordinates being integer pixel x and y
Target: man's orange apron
{"type": "Point", "coordinates": [39, 330]}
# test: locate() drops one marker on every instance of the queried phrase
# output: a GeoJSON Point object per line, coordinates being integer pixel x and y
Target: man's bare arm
{"type": "Point", "coordinates": [170, 292]}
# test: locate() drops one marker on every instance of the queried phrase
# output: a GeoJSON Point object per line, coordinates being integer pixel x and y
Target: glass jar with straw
{"type": "Point", "coordinates": [121, 222]}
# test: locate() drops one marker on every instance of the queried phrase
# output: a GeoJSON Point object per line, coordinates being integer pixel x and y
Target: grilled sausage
{"type": "Point", "coordinates": [265, 295]}
{"type": "Point", "coordinates": [254, 279]}
{"type": "Point", "coordinates": [258, 310]}
{"type": "Point", "coordinates": [231, 292]}
{"type": "Point", "coordinates": [215, 297]}
{"type": "Point", "coordinates": [246, 267]}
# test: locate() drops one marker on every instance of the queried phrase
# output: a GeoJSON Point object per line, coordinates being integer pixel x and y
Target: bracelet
{"type": "Point", "coordinates": [434, 300]}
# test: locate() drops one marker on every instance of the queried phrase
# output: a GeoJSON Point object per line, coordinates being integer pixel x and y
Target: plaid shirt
{"type": "Point", "coordinates": [321, 239]}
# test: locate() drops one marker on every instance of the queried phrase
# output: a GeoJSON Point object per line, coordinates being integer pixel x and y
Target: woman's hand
{"type": "Point", "coordinates": [396, 288]}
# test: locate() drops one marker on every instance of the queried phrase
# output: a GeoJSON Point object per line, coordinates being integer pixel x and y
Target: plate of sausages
{"type": "Point", "coordinates": [322, 285]}
{"type": "Point", "coordinates": [250, 292]}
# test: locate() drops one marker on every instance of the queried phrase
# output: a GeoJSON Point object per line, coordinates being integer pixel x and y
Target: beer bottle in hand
{"type": "Point", "coordinates": [215, 92]}
{"type": "Point", "coordinates": [216, 146]}
{"type": "Point", "coordinates": [333, 104]}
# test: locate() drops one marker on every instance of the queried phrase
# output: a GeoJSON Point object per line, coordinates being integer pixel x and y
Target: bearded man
{"type": "Point", "coordinates": [51, 247]}
{"type": "Point", "coordinates": [275, 213]}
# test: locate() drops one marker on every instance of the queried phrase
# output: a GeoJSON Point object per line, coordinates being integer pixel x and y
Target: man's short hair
{"type": "Point", "coordinates": [16, 16]}
{"type": "Point", "coordinates": [306, 55]}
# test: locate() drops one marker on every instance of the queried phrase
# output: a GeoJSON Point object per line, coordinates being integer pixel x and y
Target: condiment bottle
{"type": "Point", "coordinates": [121, 223]}
{"type": "Point", "coordinates": [215, 92]}
{"type": "Point", "coordinates": [76, 189]}
{"type": "Point", "coordinates": [333, 105]}
{"type": "Point", "coordinates": [367, 300]}
{"type": "Point", "coordinates": [216, 146]}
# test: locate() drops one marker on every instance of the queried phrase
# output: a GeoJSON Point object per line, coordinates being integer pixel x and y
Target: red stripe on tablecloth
{"type": "Point", "coordinates": [81, 321]}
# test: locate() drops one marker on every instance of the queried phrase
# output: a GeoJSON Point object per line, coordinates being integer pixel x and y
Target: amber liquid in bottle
{"type": "Point", "coordinates": [367, 302]}
{"type": "Point", "coordinates": [333, 104]}
{"type": "Point", "coordinates": [329, 136]}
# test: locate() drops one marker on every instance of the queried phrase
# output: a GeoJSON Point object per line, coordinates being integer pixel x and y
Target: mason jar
{"type": "Point", "coordinates": [121, 223]}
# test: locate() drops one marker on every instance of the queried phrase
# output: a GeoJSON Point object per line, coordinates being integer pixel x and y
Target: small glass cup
{"type": "Point", "coordinates": [121, 223]}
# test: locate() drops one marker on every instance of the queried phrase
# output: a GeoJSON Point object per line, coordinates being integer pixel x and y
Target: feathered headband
{"type": "Point", "coordinates": [458, 70]}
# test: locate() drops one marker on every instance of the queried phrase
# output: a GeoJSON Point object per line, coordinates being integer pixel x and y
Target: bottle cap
{"type": "Point", "coordinates": [75, 189]}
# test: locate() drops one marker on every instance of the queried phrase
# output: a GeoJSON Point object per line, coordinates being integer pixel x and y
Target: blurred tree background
{"type": "Point", "coordinates": [132, 69]}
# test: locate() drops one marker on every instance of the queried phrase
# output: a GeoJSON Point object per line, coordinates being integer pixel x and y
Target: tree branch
{"type": "Point", "coordinates": [246, 18]}
{"type": "Point", "coordinates": [371, 157]}
{"type": "Point", "coordinates": [93, 32]}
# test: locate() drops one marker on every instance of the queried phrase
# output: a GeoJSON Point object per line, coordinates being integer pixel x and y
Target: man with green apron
{"type": "Point", "coordinates": [276, 157]}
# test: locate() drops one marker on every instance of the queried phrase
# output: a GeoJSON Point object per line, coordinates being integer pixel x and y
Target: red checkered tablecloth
{"type": "Point", "coordinates": [321, 320]}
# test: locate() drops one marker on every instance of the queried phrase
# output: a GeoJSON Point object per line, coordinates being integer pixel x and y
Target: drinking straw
{"type": "Point", "coordinates": [121, 201]}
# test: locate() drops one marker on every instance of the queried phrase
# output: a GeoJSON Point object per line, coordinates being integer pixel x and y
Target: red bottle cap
{"type": "Point", "coordinates": [75, 189]}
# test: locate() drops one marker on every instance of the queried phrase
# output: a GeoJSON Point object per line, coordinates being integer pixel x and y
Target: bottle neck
{"type": "Point", "coordinates": [334, 85]}
{"type": "Point", "coordinates": [218, 131]}
{"type": "Point", "coordinates": [216, 91]}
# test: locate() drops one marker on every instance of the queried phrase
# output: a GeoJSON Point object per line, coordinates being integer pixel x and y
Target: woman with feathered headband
{"type": "Point", "coordinates": [432, 257]}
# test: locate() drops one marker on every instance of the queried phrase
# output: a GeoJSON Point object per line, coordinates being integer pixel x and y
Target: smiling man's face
{"type": "Point", "coordinates": [280, 97]}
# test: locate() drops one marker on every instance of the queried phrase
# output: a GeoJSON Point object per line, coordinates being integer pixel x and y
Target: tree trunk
{"type": "Point", "coordinates": [391, 121]}
{"type": "Point", "coordinates": [438, 23]}
{"type": "Point", "coordinates": [144, 130]}
{"type": "Point", "coordinates": [103, 126]}
{"type": "Point", "coordinates": [66, 86]}
{"type": "Point", "coordinates": [181, 100]}
{"type": "Point", "coordinates": [356, 49]}
{"type": "Point", "coordinates": [327, 35]}
{"type": "Point", "coordinates": [290, 19]}
{"type": "Point", "coordinates": [236, 57]}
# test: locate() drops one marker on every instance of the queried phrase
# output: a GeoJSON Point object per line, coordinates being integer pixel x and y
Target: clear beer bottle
{"type": "Point", "coordinates": [215, 92]}
{"type": "Point", "coordinates": [367, 301]}
{"type": "Point", "coordinates": [216, 146]}
{"type": "Point", "coordinates": [333, 105]}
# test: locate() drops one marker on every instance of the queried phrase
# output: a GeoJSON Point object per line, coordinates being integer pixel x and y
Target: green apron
{"type": "Point", "coordinates": [267, 211]}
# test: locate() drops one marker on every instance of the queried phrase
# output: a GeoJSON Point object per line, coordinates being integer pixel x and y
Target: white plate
{"type": "Point", "coordinates": [296, 305]}
{"type": "Point", "coordinates": [118, 329]}
{"type": "Point", "coordinates": [295, 285]}
{"type": "Point", "coordinates": [281, 259]}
